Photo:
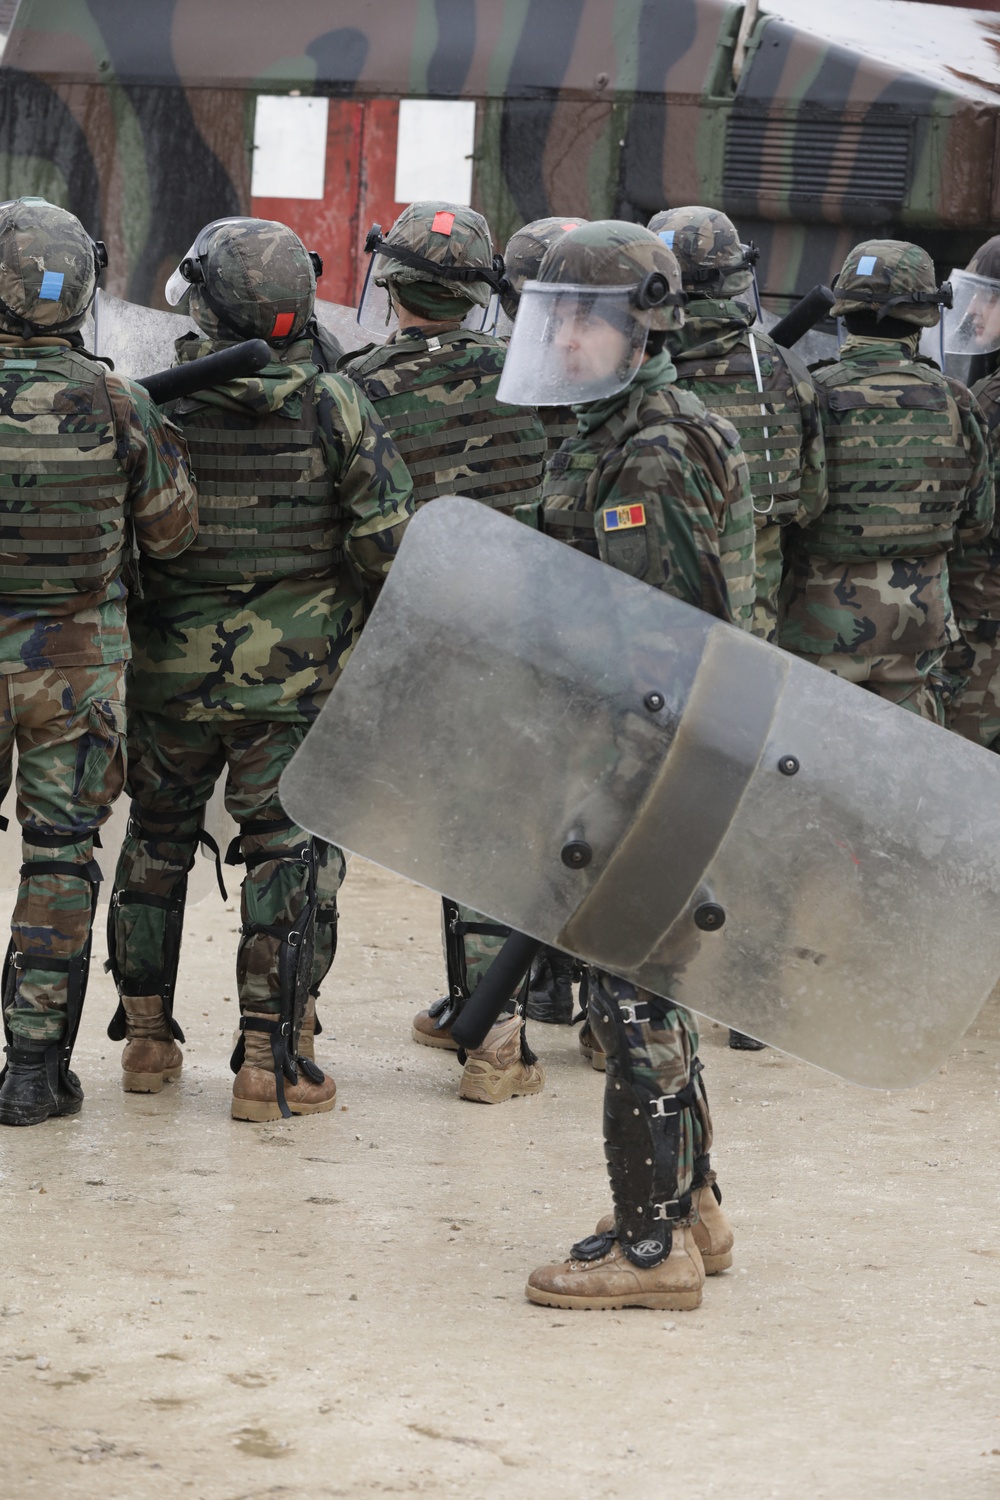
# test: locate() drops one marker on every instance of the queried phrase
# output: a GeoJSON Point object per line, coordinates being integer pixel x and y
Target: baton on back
{"type": "Point", "coordinates": [501, 980]}
{"type": "Point", "coordinates": [796, 323]}
{"type": "Point", "coordinates": [211, 369]}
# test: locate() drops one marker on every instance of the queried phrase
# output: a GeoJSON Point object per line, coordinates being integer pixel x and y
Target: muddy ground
{"type": "Point", "coordinates": [334, 1306]}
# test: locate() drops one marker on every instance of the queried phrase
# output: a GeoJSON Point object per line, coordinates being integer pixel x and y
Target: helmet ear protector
{"type": "Point", "coordinates": [654, 291]}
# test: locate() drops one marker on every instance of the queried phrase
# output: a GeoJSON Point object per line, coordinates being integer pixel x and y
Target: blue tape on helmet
{"type": "Point", "coordinates": [667, 236]}
{"type": "Point", "coordinates": [51, 287]}
{"type": "Point", "coordinates": [867, 264]}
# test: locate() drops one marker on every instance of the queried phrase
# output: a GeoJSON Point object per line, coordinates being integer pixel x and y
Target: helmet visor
{"type": "Point", "coordinates": [571, 345]}
{"type": "Point", "coordinates": [375, 312]}
{"type": "Point", "coordinates": [180, 281]}
{"type": "Point", "coordinates": [972, 323]}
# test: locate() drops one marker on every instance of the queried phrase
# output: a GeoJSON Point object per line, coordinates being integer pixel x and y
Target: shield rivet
{"type": "Point", "coordinates": [577, 854]}
{"type": "Point", "coordinates": [709, 916]}
{"type": "Point", "coordinates": [654, 702]}
{"type": "Point", "coordinates": [788, 765]}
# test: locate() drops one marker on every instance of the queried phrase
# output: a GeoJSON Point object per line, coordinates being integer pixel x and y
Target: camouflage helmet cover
{"type": "Point", "coordinates": [611, 252]}
{"type": "Point", "coordinates": [526, 248]}
{"type": "Point", "coordinates": [250, 279]}
{"type": "Point", "coordinates": [712, 258]}
{"type": "Point", "coordinates": [49, 267]}
{"type": "Point", "coordinates": [890, 278]}
{"type": "Point", "coordinates": [446, 234]}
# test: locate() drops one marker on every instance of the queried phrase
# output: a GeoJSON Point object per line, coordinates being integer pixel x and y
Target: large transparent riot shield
{"type": "Point", "coordinates": [620, 775]}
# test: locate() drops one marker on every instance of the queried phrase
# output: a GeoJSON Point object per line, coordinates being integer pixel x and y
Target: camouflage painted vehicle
{"type": "Point", "coordinates": [811, 125]}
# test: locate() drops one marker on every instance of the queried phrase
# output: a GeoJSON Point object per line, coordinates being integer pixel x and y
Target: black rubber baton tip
{"type": "Point", "coordinates": [213, 369]}
{"type": "Point", "coordinates": [501, 980]}
{"type": "Point", "coordinates": [709, 916]}
{"type": "Point", "coordinates": [796, 323]}
{"type": "Point", "coordinates": [788, 765]}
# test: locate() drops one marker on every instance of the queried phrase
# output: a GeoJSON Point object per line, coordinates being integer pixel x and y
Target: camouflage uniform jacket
{"type": "Point", "coordinates": [657, 486]}
{"type": "Point", "coordinates": [437, 396]}
{"type": "Point", "coordinates": [975, 572]}
{"type": "Point", "coordinates": [99, 453]}
{"type": "Point", "coordinates": [784, 446]}
{"type": "Point", "coordinates": [272, 649]}
{"type": "Point", "coordinates": [908, 481]}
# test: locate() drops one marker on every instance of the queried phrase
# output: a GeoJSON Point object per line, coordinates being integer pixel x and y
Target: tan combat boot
{"type": "Point", "coordinates": [591, 1048]}
{"type": "Point", "coordinates": [255, 1095]}
{"type": "Point", "coordinates": [495, 1071]}
{"type": "Point", "coordinates": [151, 1053]}
{"type": "Point", "coordinates": [428, 1032]}
{"type": "Point", "coordinates": [613, 1281]}
{"type": "Point", "coordinates": [713, 1233]}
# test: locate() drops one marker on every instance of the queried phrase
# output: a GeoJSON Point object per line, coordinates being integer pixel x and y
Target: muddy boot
{"type": "Point", "coordinates": [432, 1027]}
{"type": "Point", "coordinates": [713, 1233]}
{"type": "Point", "coordinates": [151, 1054]}
{"type": "Point", "coordinates": [36, 1086]}
{"type": "Point", "coordinates": [550, 997]}
{"type": "Point", "coordinates": [600, 1275]}
{"type": "Point", "coordinates": [255, 1087]}
{"type": "Point", "coordinates": [591, 1047]}
{"type": "Point", "coordinates": [740, 1042]}
{"type": "Point", "coordinates": [499, 1069]}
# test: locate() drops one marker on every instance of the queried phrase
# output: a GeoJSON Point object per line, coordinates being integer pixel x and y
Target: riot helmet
{"type": "Point", "coordinates": [49, 267]}
{"type": "Point", "coordinates": [890, 279]}
{"type": "Point", "coordinates": [437, 261]}
{"type": "Point", "coordinates": [247, 279]}
{"type": "Point", "coordinates": [524, 254]}
{"type": "Point", "coordinates": [713, 260]}
{"type": "Point", "coordinates": [582, 326]}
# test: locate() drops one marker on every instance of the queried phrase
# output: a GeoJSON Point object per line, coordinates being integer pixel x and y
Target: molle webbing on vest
{"type": "Point", "coordinates": [440, 406]}
{"type": "Point", "coordinates": [263, 513]}
{"type": "Point", "coordinates": [897, 466]}
{"type": "Point", "coordinates": [567, 513]}
{"type": "Point", "coordinates": [771, 442]}
{"type": "Point", "coordinates": [62, 493]}
{"type": "Point", "coordinates": [559, 423]}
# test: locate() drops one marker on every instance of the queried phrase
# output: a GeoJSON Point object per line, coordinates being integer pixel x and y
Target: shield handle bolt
{"type": "Point", "coordinates": [709, 916]}
{"type": "Point", "coordinates": [577, 854]}
{"type": "Point", "coordinates": [788, 765]}
{"type": "Point", "coordinates": [654, 702]}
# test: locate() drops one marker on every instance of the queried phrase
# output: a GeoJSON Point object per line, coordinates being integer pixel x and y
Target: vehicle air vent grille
{"type": "Point", "coordinates": [862, 161]}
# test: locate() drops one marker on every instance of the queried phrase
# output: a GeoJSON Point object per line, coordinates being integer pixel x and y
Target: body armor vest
{"type": "Point", "coordinates": [771, 438]}
{"type": "Point", "coordinates": [438, 400]}
{"type": "Point", "coordinates": [897, 467]}
{"type": "Point", "coordinates": [266, 499]}
{"type": "Point", "coordinates": [63, 483]}
{"type": "Point", "coordinates": [570, 513]}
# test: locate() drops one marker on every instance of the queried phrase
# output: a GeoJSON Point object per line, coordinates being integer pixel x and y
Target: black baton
{"type": "Point", "coordinates": [212, 369]}
{"type": "Point", "coordinates": [491, 994]}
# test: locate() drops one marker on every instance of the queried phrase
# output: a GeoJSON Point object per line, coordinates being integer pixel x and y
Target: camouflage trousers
{"type": "Point", "coordinates": [68, 727]}
{"type": "Point", "coordinates": [975, 710]}
{"type": "Point", "coordinates": [767, 581]}
{"type": "Point", "coordinates": [173, 767]}
{"type": "Point", "coordinates": [661, 1064]}
{"type": "Point", "coordinates": [915, 683]}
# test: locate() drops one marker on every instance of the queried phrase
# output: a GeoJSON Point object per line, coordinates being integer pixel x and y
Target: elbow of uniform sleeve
{"type": "Point", "coordinates": [372, 552]}
{"type": "Point", "coordinates": [166, 528]}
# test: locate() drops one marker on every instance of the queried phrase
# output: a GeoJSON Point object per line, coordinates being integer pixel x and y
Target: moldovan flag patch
{"type": "Point", "coordinates": [623, 517]}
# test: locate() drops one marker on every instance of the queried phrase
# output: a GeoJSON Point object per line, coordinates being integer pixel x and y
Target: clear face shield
{"type": "Point", "coordinates": [376, 314]}
{"type": "Point", "coordinates": [572, 345]}
{"type": "Point", "coordinates": [188, 272]}
{"type": "Point", "coordinates": [972, 324]}
{"type": "Point", "coordinates": [750, 299]}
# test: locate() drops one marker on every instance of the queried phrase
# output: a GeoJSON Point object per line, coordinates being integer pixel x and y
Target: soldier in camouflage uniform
{"type": "Point", "coordinates": [304, 500]}
{"type": "Point", "coordinates": [88, 468]}
{"type": "Point", "coordinates": [655, 485]}
{"type": "Point", "coordinates": [975, 572]}
{"type": "Point", "coordinates": [743, 375]}
{"type": "Point", "coordinates": [765, 391]}
{"type": "Point", "coordinates": [434, 384]}
{"type": "Point", "coordinates": [866, 594]}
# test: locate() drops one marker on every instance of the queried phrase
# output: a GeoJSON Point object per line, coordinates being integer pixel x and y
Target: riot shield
{"type": "Point", "coordinates": [628, 779]}
{"type": "Point", "coordinates": [138, 339]}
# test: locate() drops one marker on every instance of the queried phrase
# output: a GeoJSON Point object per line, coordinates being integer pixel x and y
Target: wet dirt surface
{"type": "Point", "coordinates": [334, 1306]}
